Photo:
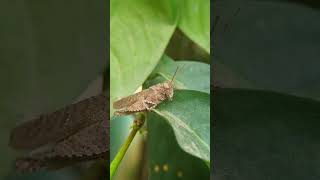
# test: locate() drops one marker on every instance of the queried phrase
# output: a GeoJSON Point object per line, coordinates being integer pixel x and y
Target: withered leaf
{"type": "Point", "coordinates": [83, 135]}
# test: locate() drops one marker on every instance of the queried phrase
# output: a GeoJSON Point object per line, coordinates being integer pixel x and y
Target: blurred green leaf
{"type": "Point", "coordinates": [270, 51]}
{"type": "Point", "coordinates": [191, 75]}
{"type": "Point", "coordinates": [195, 21]}
{"type": "Point", "coordinates": [189, 116]}
{"type": "Point", "coordinates": [164, 151]}
{"type": "Point", "coordinates": [265, 135]}
{"type": "Point", "coordinates": [140, 32]}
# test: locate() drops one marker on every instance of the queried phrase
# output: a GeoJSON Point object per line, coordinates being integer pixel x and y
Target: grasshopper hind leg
{"type": "Point", "coordinates": [149, 105]}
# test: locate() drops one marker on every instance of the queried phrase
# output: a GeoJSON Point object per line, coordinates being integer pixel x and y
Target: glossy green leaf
{"type": "Point", "coordinates": [139, 33]}
{"type": "Point", "coordinates": [195, 21]}
{"type": "Point", "coordinates": [189, 116]}
{"type": "Point", "coordinates": [271, 51]}
{"type": "Point", "coordinates": [265, 135]}
{"type": "Point", "coordinates": [191, 75]}
{"type": "Point", "coordinates": [164, 151]}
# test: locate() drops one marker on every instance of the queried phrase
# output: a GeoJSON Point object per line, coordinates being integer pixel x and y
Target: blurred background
{"type": "Point", "coordinates": [266, 60]}
{"type": "Point", "coordinates": [52, 53]}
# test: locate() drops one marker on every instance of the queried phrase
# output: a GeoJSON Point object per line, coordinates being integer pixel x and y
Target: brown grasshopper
{"type": "Point", "coordinates": [146, 99]}
{"type": "Point", "coordinates": [75, 133]}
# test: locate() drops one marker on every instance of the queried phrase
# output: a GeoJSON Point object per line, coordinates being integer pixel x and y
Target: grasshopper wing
{"type": "Point", "coordinates": [60, 124]}
{"type": "Point", "coordinates": [90, 143]}
{"type": "Point", "coordinates": [129, 100]}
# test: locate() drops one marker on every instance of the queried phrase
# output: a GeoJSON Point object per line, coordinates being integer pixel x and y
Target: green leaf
{"type": "Point", "coordinates": [191, 75]}
{"type": "Point", "coordinates": [195, 21]}
{"type": "Point", "coordinates": [270, 51]}
{"type": "Point", "coordinates": [189, 116]}
{"type": "Point", "coordinates": [265, 135]}
{"type": "Point", "coordinates": [140, 31]}
{"type": "Point", "coordinates": [163, 150]}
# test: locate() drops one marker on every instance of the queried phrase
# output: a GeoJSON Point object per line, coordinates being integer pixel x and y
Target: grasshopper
{"type": "Point", "coordinates": [75, 133]}
{"type": "Point", "coordinates": [145, 100]}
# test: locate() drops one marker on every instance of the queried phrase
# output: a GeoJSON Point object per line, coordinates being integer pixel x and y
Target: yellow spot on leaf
{"type": "Point", "coordinates": [156, 168]}
{"type": "Point", "coordinates": [179, 174]}
{"type": "Point", "coordinates": [165, 167]}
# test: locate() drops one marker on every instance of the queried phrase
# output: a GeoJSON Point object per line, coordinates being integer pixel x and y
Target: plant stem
{"type": "Point", "coordinates": [137, 124]}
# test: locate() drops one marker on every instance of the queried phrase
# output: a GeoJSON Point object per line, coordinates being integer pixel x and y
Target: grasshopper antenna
{"type": "Point", "coordinates": [175, 73]}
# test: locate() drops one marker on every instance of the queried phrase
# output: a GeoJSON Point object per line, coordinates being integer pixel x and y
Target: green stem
{"type": "Point", "coordinates": [137, 124]}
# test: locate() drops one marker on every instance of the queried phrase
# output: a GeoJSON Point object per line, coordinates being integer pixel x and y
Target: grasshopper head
{"type": "Point", "coordinates": [168, 86]}
{"type": "Point", "coordinates": [168, 89]}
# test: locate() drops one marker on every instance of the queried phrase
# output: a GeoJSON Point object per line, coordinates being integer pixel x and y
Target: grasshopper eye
{"type": "Point", "coordinates": [166, 85]}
